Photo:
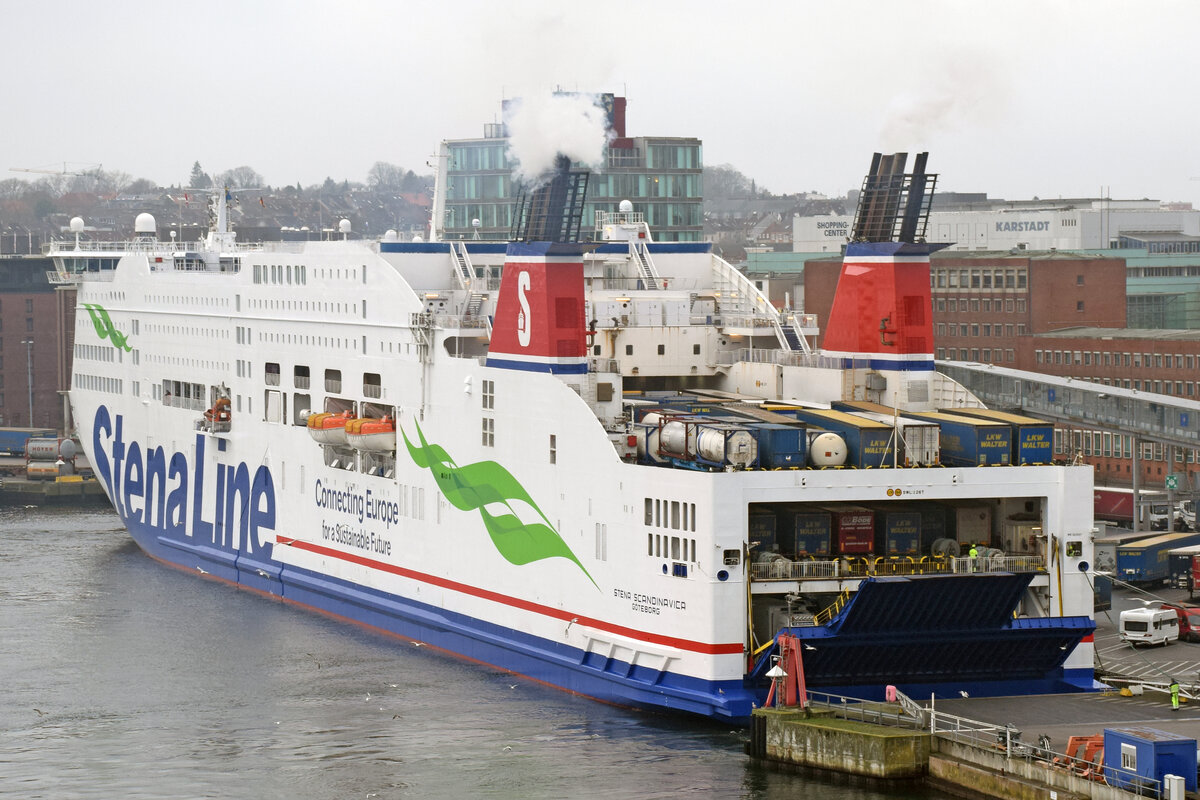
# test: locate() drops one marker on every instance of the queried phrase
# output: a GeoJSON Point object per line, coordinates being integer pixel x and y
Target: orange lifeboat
{"type": "Point", "coordinates": [377, 435]}
{"type": "Point", "coordinates": [329, 428]}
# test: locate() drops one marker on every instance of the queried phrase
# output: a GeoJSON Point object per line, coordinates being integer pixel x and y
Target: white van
{"type": "Point", "coordinates": [1149, 626]}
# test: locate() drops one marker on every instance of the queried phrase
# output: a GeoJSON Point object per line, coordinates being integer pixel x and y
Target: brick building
{"type": "Point", "coordinates": [32, 342]}
{"type": "Point", "coordinates": [1145, 360]}
{"type": "Point", "coordinates": [1061, 314]}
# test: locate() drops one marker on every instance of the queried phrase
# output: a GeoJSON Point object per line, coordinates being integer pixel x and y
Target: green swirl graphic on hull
{"type": "Point", "coordinates": [104, 327]}
{"type": "Point", "coordinates": [473, 487]}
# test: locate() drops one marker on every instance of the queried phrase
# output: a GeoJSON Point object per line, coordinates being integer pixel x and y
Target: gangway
{"type": "Point", "coordinates": [1151, 417]}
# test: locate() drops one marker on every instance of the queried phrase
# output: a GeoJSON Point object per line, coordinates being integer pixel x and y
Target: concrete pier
{"type": "Point", "coordinates": [74, 490]}
{"type": "Point", "coordinates": [816, 739]}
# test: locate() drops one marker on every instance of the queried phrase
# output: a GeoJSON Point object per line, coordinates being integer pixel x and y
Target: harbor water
{"type": "Point", "coordinates": [122, 677]}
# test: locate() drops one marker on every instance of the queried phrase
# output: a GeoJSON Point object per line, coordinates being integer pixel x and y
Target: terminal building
{"type": "Point", "coordinates": [660, 175]}
{"type": "Point", "coordinates": [1079, 224]}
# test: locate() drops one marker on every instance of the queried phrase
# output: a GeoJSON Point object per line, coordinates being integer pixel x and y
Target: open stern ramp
{"type": "Point", "coordinates": [947, 631]}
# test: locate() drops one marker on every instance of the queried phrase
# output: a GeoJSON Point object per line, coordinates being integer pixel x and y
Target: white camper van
{"type": "Point", "coordinates": [1149, 626]}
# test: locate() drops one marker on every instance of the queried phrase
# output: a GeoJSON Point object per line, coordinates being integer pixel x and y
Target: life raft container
{"type": "Point", "coordinates": [376, 435]}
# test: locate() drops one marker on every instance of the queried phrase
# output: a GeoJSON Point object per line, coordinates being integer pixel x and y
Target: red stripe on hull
{"type": "Point", "coordinates": [514, 602]}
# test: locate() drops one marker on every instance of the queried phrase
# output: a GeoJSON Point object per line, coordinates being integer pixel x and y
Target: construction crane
{"type": "Point", "coordinates": [73, 169]}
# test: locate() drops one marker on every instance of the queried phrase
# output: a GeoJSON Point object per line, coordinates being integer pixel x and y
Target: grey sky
{"type": "Point", "coordinates": [1015, 98]}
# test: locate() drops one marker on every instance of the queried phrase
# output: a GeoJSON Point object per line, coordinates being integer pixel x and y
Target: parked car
{"type": "Point", "coordinates": [1188, 618]}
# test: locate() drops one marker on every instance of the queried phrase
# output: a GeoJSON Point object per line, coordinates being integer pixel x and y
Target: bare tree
{"type": "Point", "coordinates": [240, 178]}
{"type": "Point", "coordinates": [13, 188]}
{"type": "Point", "coordinates": [383, 175]}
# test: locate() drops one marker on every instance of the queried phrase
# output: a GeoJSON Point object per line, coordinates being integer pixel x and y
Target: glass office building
{"type": "Point", "coordinates": [660, 175]}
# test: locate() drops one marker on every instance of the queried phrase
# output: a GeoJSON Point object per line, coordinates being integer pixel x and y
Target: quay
{"type": "Point", "coordinates": [1009, 748]}
{"type": "Point", "coordinates": [69, 490]}
{"type": "Point", "coordinates": [74, 487]}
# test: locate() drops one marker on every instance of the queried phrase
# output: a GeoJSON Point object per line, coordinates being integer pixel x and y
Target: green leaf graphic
{"type": "Point", "coordinates": [473, 486]}
{"type": "Point", "coordinates": [104, 327]}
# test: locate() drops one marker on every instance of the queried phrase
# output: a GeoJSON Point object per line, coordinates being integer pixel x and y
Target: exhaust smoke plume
{"type": "Point", "coordinates": [539, 128]}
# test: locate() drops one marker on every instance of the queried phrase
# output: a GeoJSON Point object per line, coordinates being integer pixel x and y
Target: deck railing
{"type": "Point", "coordinates": [782, 569]}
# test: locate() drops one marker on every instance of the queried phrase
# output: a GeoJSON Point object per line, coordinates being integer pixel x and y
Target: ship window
{"type": "Point", "coordinates": [300, 377]}
{"type": "Point", "coordinates": [649, 544]}
{"type": "Point", "coordinates": [553, 449]}
{"type": "Point", "coordinates": [489, 394]}
{"type": "Point", "coordinates": [271, 374]}
{"type": "Point", "coordinates": [489, 432]}
{"type": "Point", "coordinates": [662, 349]}
{"type": "Point", "coordinates": [675, 547]}
{"type": "Point", "coordinates": [601, 541]}
{"type": "Point", "coordinates": [628, 349]}
{"type": "Point", "coordinates": [675, 514]}
{"type": "Point", "coordinates": [649, 511]}
{"type": "Point", "coordinates": [693, 505]}
{"type": "Point", "coordinates": [333, 380]}
{"type": "Point", "coordinates": [695, 349]}
{"type": "Point", "coordinates": [372, 385]}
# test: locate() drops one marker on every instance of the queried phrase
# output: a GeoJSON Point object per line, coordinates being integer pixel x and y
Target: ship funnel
{"type": "Point", "coordinates": [882, 314]}
{"type": "Point", "coordinates": [552, 211]}
{"type": "Point", "coordinates": [894, 206]}
{"type": "Point", "coordinates": [539, 320]}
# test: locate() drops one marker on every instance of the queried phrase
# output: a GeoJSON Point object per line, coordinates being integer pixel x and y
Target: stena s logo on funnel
{"type": "Point", "coordinates": [523, 331]}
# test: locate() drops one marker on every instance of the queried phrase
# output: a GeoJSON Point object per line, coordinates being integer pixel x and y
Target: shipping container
{"type": "Point", "coordinates": [901, 533]}
{"type": "Point", "coordinates": [1032, 439]}
{"type": "Point", "coordinates": [868, 442]}
{"type": "Point", "coordinates": [1148, 560]}
{"type": "Point", "coordinates": [933, 524]}
{"type": "Point", "coordinates": [853, 530]}
{"type": "Point", "coordinates": [12, 440]}
{"type": "Point", "coordinates": [812, 529]}
{"type": "Point", "coordinates": [50, 449]}
{"type": "Point", "coordinates": [780, 446]}
{"type": "Point", "coordinates": [968, 442]}
{"type": "Point", "coordinates": [920, 442]}
{"type": "Point", "coordinates": [1104, 546]}
{"type": "Point", "coordinates": [1179, 566]}
{"type": "Point", "coordinates": [1102, 593]}
{"type": "Point", "coordinates": [762, 532]}
{"type": "Point", "coordinates": [972, 523]}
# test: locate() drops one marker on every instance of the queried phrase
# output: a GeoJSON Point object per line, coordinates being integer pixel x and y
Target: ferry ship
{"type": "Point", "coordinates": [603, 462]}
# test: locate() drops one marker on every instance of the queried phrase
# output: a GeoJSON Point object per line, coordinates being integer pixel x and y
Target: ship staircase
{"type": "Point", "coordinates": [740, 299]}
{"type": "Point", "coordinates": [787, 327]}
{"type": "Point", "coordinates": [465, 272]}
{"type": "Point", "coordinates": [639, 251]}
{"type": "Point", "coordinates": [934, 632]}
